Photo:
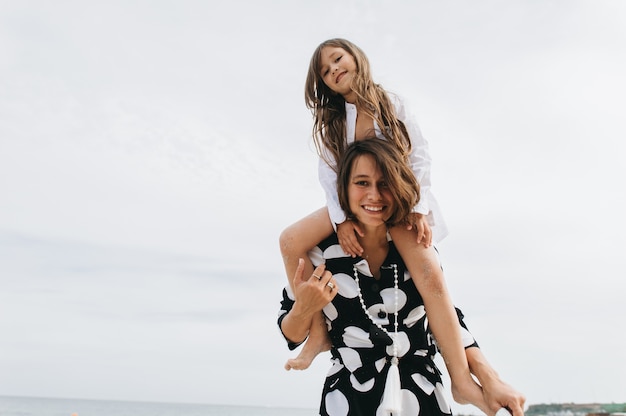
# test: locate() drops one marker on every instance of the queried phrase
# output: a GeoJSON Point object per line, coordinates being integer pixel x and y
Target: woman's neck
{"type": "Point", "coordinates": [375, 246]}
{"type": "Point", "coordinates": [375, 235]}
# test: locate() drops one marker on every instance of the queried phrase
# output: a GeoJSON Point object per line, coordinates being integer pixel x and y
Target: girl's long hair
{"type": "Point", "coordinates": [401, 181]}
{"type": "Point", "coordinates": [329, 111]}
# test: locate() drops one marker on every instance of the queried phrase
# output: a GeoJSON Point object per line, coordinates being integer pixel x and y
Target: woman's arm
{"type": "Point", "coordinates": [497, 393]}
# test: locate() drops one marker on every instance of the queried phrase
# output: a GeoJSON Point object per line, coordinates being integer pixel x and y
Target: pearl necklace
{"type": "Point", "coordinates": [394, 359]}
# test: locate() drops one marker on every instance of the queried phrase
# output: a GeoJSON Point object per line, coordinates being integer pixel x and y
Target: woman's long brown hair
{"type": "Point", "coordinates": [398, 176]}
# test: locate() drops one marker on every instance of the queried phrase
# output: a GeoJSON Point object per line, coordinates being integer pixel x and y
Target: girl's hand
{"type": "Point", "coordinates": [346, 232]}
{"type": "Point", "coordinates": [424, 234]}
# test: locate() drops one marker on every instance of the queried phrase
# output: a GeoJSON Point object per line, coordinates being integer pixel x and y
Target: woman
{"type": "Point", "coordinates": [382, 348]}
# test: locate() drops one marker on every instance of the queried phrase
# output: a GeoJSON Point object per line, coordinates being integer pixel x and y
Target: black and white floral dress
{"type": "Point", "coordinates": [361, 352]}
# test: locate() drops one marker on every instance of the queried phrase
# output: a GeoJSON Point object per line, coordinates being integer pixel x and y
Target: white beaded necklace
{"type": "Point", "coordinates": [391, 401]}
{"type": "Point", "coordinates": [394, 359]}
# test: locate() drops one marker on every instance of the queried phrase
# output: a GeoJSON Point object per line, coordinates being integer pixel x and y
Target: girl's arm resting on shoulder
{"type": "Point", "coordinates": [328, 179]}
{"type": "Point", "coordinates": [419, 158]}
{"type": "Point", "coordinates": [346, 233]}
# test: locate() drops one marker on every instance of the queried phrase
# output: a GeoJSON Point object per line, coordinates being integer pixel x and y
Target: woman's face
{"type": "Point", "coordinates": [337, 69]}
{"type": "Point", "coordinates": [370, 199]}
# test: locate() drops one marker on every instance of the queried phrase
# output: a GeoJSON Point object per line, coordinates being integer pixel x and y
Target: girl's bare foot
{"type": "Point", "coordinates": [317, 342]}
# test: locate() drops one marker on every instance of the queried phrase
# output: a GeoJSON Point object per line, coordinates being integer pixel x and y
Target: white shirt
{"type": "Point", "coordinates": [419, 160]}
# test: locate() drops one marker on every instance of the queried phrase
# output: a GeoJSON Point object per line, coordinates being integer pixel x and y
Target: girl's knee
{"type": "Point", "coordinates": [293, 241]}
{"type": "Point", "coordinates": [286, 240]}
{"type": "Point", "coordinates": [301, 237]}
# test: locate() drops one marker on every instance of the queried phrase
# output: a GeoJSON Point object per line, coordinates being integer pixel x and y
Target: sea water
{"type": "Point", "coordinates": [35, 406]}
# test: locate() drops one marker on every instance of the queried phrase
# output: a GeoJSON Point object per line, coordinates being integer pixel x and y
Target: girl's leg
{"type": "Point", "coordinates": [425, 269]}
{"type": "Point", "coordinates": [295, 243]}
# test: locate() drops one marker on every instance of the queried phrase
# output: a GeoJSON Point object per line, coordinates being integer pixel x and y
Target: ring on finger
{"type": "Point", "coordinates": [330, 285]}
{"type": "Point", "coordinates": [318, 277]}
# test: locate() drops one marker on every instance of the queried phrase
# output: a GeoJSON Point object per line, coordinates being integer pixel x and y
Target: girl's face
{"type": "Point", "coordinates": [369, 197]}
{"type": "Point", "coordinates": [337, 69]}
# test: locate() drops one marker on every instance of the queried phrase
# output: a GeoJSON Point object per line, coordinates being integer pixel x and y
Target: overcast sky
{"type": "Point", "coordinates": [152, 151]}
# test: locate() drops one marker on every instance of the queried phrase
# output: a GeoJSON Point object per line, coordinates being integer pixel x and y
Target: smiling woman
{"type": "Point", "coordinates": [371, 171]}
{"type": "Point", "coordinates": [369, 193]}
{"type": "Point", "coordinates": [382, 346]}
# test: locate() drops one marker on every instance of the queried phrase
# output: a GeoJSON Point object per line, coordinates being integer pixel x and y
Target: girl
{"type": "Point", "coordinates": [348, 106]}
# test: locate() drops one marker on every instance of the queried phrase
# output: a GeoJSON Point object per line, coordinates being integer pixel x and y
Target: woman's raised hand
{"type": "Point", "coordinates": [314, 292]}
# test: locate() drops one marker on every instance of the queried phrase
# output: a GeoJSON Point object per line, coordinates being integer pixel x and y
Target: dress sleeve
{"type": "Point", "coordinates": [419, 158]}
{"type": "Point", "coordinates": [285, 306]}
{"type": "Point", "coordinates": [466, 336]}
{"type": "Point", "coordinates": [328, 179]}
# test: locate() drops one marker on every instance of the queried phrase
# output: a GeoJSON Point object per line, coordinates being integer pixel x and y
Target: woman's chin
{"type": "Point", "coordinates": [372, 219]}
